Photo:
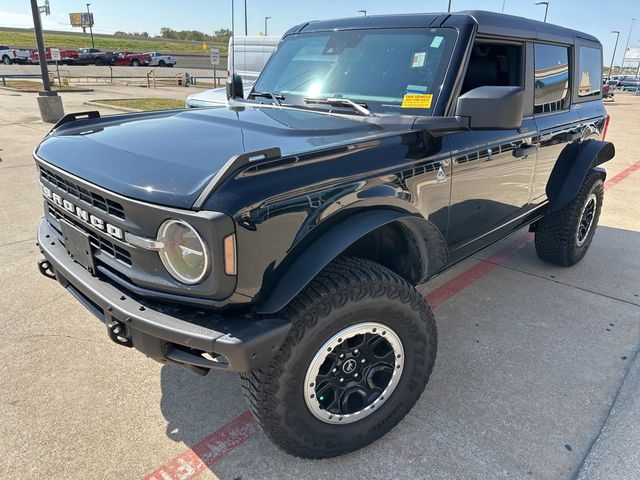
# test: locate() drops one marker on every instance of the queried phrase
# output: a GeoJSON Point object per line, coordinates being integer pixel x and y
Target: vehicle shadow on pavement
{"type": "Point", "coordinates": [530, 360]}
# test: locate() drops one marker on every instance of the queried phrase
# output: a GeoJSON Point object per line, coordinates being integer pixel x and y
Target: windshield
{"type": "Point", "coordinates": [388, 70]}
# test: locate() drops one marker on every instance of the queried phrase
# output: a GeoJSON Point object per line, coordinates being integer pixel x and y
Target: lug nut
{"type": "Point", "coordinates": [355, 375]}
{"type": "Point", "coordinates": [362, 361]}
{"type": "Point", "coordinates": [334, 370]}
{"type": "Point", "coordinates": [341, 355]}
{"type": "Point", "coordinates": [356, 351]}
{"type": "Point", "coordinates": [341, 380]}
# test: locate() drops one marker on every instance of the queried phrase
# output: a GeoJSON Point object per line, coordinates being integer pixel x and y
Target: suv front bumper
{"type": "Point", "coordinates": [168, 335]}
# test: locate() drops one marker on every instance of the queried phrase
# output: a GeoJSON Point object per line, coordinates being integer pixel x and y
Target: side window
{"type": "Point", "coordinates": [589, 72]}
{"type": "Point", "coordinates": [494, 64]}
{"type": "Point", "coordinates": [551, 78]}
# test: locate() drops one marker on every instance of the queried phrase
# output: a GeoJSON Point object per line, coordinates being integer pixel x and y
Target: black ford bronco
{"type": "Point", "coordinates": [281, 236]}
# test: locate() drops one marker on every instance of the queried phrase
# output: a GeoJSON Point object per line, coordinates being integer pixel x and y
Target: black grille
{"type": "Point", "coordinates": [97, 241]}
{"type": "Point", "coordinates": [81, 193]}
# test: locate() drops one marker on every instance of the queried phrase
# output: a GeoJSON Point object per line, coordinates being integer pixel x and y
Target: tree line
{"type": "Point", "coordinates": [221, 35]}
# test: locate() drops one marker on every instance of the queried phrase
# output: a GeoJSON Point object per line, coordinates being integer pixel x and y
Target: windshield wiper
{"type": "Point", "coordinates": [276, 97]}
{"type": "Point", "coordinates": [342, 102]}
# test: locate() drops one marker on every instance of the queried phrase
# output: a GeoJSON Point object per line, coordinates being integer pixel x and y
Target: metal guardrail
{"type": "Point", "coordinates": [4, 76]}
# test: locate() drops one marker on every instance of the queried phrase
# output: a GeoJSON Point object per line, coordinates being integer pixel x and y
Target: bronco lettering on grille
{"type": "Point", "coordinates": [83, 215]}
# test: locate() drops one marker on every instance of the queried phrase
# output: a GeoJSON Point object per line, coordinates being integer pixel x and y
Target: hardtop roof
{"type": "Point", "coordinates": [489, 23]}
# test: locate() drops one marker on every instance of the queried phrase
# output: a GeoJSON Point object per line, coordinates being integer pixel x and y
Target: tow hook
{"type": "Point", "coordinates": [45, 269]}
{"type": "Point", "coordinates": [119, 334]}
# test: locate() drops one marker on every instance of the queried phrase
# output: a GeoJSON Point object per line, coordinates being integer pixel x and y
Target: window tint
{"type": "Point", "coordinates": [551, 78]}
{"type": "Point", "coordinates": [493, 64]}
{"type": "Point", "coordinates": [589, 72]}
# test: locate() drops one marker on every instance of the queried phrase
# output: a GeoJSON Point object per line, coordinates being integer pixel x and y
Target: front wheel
{"type": "Point", "coordinates": [135, 63]}
{"type": "Point", "coordinates": [6, 60]}
{"type": "Point", "coordinates": [564, 236]}
{"type": "Point", "coordinates": [162, 63]}
{"type": "Point", "coordinates": [359, 354]}
{"type": "Point", "coordinates": [98, 62]}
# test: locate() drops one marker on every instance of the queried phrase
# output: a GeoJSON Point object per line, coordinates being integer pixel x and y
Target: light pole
{"type": "Point", "coordinates": [93, 45]}
{"type": "Point", "coordinates": [503, 2]}
{"type": "Point", "coordinates": [266, 31]}
{"type": "Point", "coordinates": [449, 7]}
{"type": "Point", "coordinates": [546, 9]}
{"type": "Point", "coordinates": [624, 55]}
{"type": "Point", "coordinates": [614, 51]}
{"type": "Point", "coordinates": [364, 12]}
{"type": "Point", "coordinates": [245, 19]}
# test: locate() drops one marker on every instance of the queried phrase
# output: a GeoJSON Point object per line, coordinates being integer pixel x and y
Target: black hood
{"type": "Point", "coordinates": [169, 157]}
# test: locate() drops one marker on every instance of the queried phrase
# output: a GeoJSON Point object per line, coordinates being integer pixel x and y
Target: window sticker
{"type": "Point", "coordinates": [416, 89]}
{"type": "Point", "coordinates": [437, 41]}
{"type": "Point", "coordinates": [418, 59]}
{"type": "Point", "coordinates": [417, 100]}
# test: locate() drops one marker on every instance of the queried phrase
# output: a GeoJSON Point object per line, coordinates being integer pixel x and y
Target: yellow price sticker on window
{"type": "Point", "coordinates": [417, 100]}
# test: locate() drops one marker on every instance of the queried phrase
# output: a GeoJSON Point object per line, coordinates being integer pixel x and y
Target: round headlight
{"type": "Point", "coordinates": [183, 253]}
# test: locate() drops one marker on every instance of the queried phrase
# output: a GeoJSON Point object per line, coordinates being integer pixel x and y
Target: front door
{"type": "Point", "coordinates": [492, 173]}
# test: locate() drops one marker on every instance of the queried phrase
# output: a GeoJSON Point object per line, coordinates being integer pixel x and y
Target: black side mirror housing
{"type": "Point", "coordinates": [492, 108]}
{"type": "Point", "coordinates": [235, 89]}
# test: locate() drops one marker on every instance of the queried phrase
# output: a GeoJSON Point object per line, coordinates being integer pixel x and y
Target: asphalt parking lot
{"type": "Point", "coordinates": [537, 376]}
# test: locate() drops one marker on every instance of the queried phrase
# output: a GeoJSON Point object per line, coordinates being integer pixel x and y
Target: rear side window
{"type": "Point", "coordinates": [551, 78]}
{"type": "Point", "coordinates": [589, 72]}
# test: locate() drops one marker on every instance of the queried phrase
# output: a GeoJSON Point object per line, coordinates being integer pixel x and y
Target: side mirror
{"type": "Point", "coordinates": [235, 88]}
{"type": "Point", "coordinates": [492, 108]}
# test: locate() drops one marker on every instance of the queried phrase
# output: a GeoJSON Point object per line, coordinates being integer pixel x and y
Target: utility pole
{"type": "Point", "coordinates": [93, 45]}
{"type": "Point", "coordinates": [266, 31]}
{"type": "Point", "coordinates": [614, 51]}
{"type": "Point", "coordinates": [49, 103]}
{"type": "Point", "coordinates": [624, 55]}
{"type": "Point", "coordinates": [546, 9]}
{"type": "Point", "coordinates": [449, 7]}
{"type": "Point", "coordinates": [246, 29]}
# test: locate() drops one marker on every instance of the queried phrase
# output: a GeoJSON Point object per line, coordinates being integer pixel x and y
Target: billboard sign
{"type": "Point", "coordinates": [81, 19]}
{"type": "Point", "coordinates": [632, 55]}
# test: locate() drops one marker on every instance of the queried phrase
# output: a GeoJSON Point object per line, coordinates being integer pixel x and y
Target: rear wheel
{"type": "Point", "coordinates": [564, 236]}
{"type": "Point", "coordinates": [98, 62]}
{"type": "Point", "coordinates": [6, 60]}
{"type": "Point", "coordinates": [162, 63]}
{"type": "Point", "coordinates": [359, 354]}
{"type": "Point", "coordinates": [135, 63]}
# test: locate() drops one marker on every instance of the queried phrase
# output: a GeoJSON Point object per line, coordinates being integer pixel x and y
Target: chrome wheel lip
{"type": "Point", "coordinates": [581, 238]}
{"type": "Point", "coordinates": [313, 370]}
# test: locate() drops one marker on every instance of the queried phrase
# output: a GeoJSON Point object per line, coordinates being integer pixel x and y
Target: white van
{"type": "Point", "coordinates": [248, 56]}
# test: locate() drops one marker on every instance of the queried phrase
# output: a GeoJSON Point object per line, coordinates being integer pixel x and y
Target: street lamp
{"type": "Point", "coordinates": [546, 9]}
{"type": "Point", "coordinates": [245, 19]}
{"type": "Point", "coordinates": [266, 32]}
{"type": "Point", "coordinates": [364, 12]}
{"type": "Point", "coordinates": [614, 51]}
{"type": "Point", "coordinates": [93, 45]}
{"type": "Point", "coordinates": [624, 55]}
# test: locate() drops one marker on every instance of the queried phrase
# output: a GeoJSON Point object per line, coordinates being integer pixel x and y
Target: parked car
{"type": "Point", "coordinates": [161, 60]}
{"type": "Point", "coordinates": [282, 236]}
{"type": "Point", "coordinates": [248, 56]}
{"type": "Point", "coordinates": [132, 59]}
{"type": "Point", "coordinates": [67, 57]}
{"type": "Point", "coordinates": [213, 97]}
{"type": "Point", "coordinates": [629, 82]}
{"type": "Point", "coordinates": [89, 56]}
{"type": "Point", "coordinates": [13, 55]}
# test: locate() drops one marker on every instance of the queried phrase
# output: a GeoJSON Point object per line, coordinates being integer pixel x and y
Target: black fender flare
{"type": "Point", "coordinates": [310, 259]}
{"type": "Point", "coordinates": [571, 168]}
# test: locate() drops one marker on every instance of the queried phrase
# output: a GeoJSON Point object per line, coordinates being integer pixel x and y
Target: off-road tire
{"type": "Point", "coordinates": [348, 291]}
{"type": "Point", "coordinates": [556, 234]}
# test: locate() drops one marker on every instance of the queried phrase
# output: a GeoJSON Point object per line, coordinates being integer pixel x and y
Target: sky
{"type": "Point", "coordinates": [596, 17]}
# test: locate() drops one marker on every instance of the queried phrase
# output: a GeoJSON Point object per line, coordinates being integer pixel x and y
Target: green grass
{"type": "Point", "coordinates": [106, 43]}
{"type": "Point", "coordinates": [29, 85]}
{"type": "Point", "coordinates": [145, 103]}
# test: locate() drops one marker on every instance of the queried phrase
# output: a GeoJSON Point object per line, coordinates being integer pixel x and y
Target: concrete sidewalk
{"type": "Point", "coordinates": [537, 375]}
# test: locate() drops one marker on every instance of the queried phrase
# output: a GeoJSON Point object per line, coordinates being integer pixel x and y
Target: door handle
{"type": "Point", "coordinates": [524, 150]}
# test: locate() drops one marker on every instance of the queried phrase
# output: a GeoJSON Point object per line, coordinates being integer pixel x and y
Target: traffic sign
{"type": "Point", "coordinates": [215, 56]}
{"type": "Point", "coordinates": [55, 55]}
